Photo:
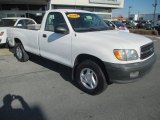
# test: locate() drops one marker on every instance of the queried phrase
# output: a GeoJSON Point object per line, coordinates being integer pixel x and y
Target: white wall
{"type": "Point", "coordinates": [101, 3]}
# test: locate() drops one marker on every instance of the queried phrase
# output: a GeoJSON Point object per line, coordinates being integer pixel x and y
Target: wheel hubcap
{"type": "Point", "coordinates": [19, 52]}
{"type": "Point", "coordinates": [88, 78]}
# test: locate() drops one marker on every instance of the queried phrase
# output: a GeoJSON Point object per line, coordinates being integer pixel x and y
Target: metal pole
{"type": "Point", "coordinates": [129, 12]}
{"type": "Point", "coordinates": [138, 15]}
{"type": "Point", "coordinates": [154, 15]}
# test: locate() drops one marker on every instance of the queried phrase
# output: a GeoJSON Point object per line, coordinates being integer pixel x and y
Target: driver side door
{"type": "Point", "coordinates": [55, 46]}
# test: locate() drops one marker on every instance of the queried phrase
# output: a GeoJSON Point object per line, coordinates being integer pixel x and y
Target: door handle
{"type": "Point", "coordinates": [44, 35]}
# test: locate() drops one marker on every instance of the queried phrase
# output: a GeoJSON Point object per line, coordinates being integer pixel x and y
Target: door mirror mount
{"type": "Point", "coordinates": [61, 29]}
{"type": "Point", "coordinates": [19, 25]}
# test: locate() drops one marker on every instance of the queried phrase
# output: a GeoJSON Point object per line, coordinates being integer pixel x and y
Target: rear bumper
{"type": "Point", "coordinates": [124, 73]}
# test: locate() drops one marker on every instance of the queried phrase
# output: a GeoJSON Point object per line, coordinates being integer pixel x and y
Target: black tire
{"type": "Point", "coordinates": [97, 74]}
{"type": "Point", "coordinates": [7, 44]}
{"type": "Point", "coordinates": [24, 56]}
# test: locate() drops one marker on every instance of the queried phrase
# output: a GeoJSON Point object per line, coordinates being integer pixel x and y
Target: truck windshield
{"type": "Point", "coordinates": [85, 22]}
{"type": "Point", "coordinates": [7, 22]}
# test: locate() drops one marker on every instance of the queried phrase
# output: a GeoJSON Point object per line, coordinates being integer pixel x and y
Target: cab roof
{"type": "Point", "coordinates": [68, 10]}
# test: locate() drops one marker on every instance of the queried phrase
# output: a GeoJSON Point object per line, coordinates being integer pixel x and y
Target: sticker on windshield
{"type": "Point", "coordinates": [89, 17]}
{"type": "Point", "coordinates": [73, 16]}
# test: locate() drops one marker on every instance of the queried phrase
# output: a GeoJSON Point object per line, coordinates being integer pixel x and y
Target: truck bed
{"type": "Point", "coordinates": [28, 35]}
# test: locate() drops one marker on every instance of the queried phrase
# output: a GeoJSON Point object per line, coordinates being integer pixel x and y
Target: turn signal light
{"type": "Point", "coordinates": [118, 54]}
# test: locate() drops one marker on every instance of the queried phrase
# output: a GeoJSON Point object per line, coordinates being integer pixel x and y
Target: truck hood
{"type": "Point", "coordinates": [117, 39]}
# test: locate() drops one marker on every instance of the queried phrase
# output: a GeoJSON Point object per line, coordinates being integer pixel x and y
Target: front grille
{"type": "Point", "coordinates": [147, 50]}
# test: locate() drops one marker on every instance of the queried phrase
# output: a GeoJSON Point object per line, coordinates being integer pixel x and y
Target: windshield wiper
{"type": "Point", "coordinates": [93, 29]}
{"type": "Point", "coordinates": [90, 29]}
{"type": "Point", "coordinates": [102, 29]}
{"type": "Point", "coordinates": [87, 30]}
{"type": "Point", "coordinates": [98, 29]}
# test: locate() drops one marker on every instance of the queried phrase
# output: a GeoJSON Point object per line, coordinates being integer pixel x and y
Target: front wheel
{"type": "Point", "coordinates": [20, 53]}
{"type": "Point", "coordinates": [90, 77]}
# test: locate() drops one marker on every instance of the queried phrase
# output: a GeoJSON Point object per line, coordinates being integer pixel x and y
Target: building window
{"type": "Point", "coordinates": [108, 10]}
{"type": "Point", "coordinates": [62, 7]}
{"type": "Point", "coordinates": [13, 7]}
{"type": "Point", "coordinates": [158, 17]}
{"type": "Point", "coordinates": [22, 7]}
{"type": "Point", "coordinates": [91, 9]}
{"type": "Point", "coordinates": [37, 7]}
{"type": "Point", "coordinates": [105, 16]}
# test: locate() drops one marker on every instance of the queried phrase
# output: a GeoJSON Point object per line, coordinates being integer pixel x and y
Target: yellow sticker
{"type": "Point", "coordinates": [73, 16]}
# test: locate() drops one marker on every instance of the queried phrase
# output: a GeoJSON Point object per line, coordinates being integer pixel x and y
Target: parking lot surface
{"type": "Point", "coordinates": [45, 87]}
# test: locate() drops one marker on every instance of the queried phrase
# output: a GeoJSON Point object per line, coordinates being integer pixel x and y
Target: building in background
{"type": "Point", "coordinates": [36, 8]}
{"type": "Point", "coordinates": [101, 7]}
{"type": "Point", "coordinates": [23, 8]}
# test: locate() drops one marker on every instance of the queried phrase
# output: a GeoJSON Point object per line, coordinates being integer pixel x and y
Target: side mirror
{"type": "Point", "coordinates": [61, 29]}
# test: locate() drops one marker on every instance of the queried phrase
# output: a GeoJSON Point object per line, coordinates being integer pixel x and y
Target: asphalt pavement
{"type": "Point", "coordinates": [44, 92]}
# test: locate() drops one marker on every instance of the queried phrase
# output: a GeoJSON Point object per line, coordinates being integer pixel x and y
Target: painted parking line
{"type": "Point", "coordinates": [154, 40]}
{"type": "Point", "coordinates": [4, 51]}
{"type": "Point", "coordinates": [158, 38]}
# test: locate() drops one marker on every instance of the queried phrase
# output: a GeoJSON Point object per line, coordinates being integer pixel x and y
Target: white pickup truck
{"type": "Point", "coordinates": [12, 21]}
{"type": "Point", "coordinates": [82, 41]}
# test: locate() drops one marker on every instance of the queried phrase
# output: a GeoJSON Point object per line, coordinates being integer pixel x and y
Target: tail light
{"type": "Point", "coordinates": [1, 33]}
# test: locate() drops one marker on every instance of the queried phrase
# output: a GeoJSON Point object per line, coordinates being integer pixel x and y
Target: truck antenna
{"type": "Point", "coordinates": [75, 4]}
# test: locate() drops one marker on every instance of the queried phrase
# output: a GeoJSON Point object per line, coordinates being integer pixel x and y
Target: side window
{"type": "Point", "coordinates": [28, 22]}
{"type": "Point", "coordinates": [20, 23]}
{"type": "Point", "coordinates": [54, 19]}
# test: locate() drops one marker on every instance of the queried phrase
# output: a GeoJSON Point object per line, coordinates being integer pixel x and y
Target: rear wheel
{"type": "Point", "coordinates": [20, 53]}
{"type": "Point", "coordinates": [90, 77]}
{"type": "Point", "coordinates": [7, 44]}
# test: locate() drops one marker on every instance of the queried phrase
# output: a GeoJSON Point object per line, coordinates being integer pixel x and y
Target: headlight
{"type": "Point", "coordinates": [126, 54]}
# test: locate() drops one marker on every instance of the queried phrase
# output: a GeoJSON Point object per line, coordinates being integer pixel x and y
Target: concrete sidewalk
{"type": "Point", "coordinates": [4, 52]}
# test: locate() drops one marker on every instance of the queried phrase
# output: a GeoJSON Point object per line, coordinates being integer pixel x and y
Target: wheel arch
{"type": "Point", "coordinates": [82, 57]}
{"type": "Point", "coordinates": [19, 44]}
{"type": "Point", "coordinates": [17, 40]}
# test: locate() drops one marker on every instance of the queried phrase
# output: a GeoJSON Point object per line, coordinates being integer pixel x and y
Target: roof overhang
{"type": "Point", "coordinates": [23, 1]}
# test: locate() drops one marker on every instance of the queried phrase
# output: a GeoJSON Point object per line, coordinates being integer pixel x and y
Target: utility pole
{"type": "Point", "coordinates": [138, 15]}
{"type": "Point", "coordinates": [154, 15]}
{"type": "Point", "coordinates": [129, 12]}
